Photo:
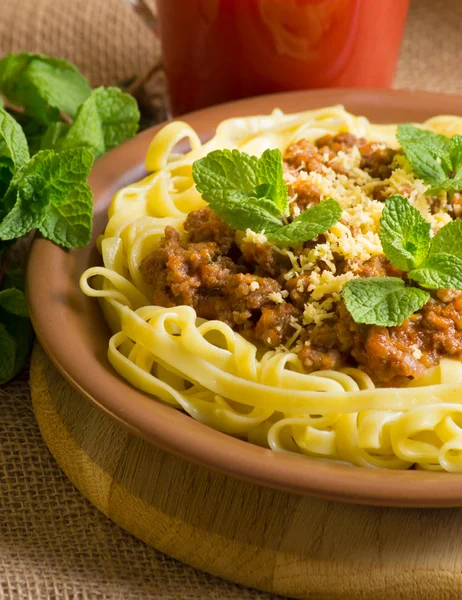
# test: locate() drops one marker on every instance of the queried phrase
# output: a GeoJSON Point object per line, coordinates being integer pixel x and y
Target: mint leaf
{"type": "Point", "coordinates": [448, 239]}
{"type": "Point", "coordinates": [456, 155]}
{"type": "Point", "coordinates": [439, 271]}
{"type": "Point", "coordinates": [404, 233]}
{"type": "Point", "coordinates": [270, 173]}
{"type": "Point", "coordinates": [49, 178]}
{"type": "Point", "coordinates": [7, 355]}
{"type": "Point", "coordinates": [53, 136]}
{"type": "Point", "coordinates": [14, 152]}
{"type": "Point", "coordinates": [445, 186]}
{"type": "Point", "coordinates": [243, 212]}
{"type": "Point", "coordinates": [33, 131]}
{"type": "Point", "coordinates": [384, 301]}
{"type": "Point", "coordinates": [443, 266]}
{"type": "Point", "coordinates": [309, 224]}
{"type": "Point", "coordinates": [435, 158]}
{"type": "Point", "coordinates": [427, 152]}
{"type": "Point", "coordinates": [224, 171]}
{"type": "Point", "coordinates": [13, 301]}
{"type": "Point", "coordinates": [43, 85]}
{"type": "Point", "coordinates": [105, 120]}
{"type": "Point", "coordinates": [68, 222]}
{"type": "Point", "coordinates": [13, 141]}
{"type": "Point", "coordinates": [6, 175]}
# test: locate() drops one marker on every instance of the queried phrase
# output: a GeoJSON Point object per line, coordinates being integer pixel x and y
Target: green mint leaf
{"type": "Point", "coordinates": [68, 223]}
{"type": "Point", "coordinates": [439, 271]}
{"type": "Point", "coordinates": [49, 178]}
{"type": "Point", "coordinates": [13, 141]}
{"type": "Point", "coordinates": [270, 173]}
{"type": "Point", "coordinates": [33, 131]}
{"type": "Point", "coordinates": [105, 120]}
{"type": "Point", "coordinates": [456, 155]}
{"type": "Point", "coordinates": [428, 153]}
{"type": "Point", "coordinates": [54, 135]}
{"type": "Point", "coordinates": [243, 212]}
{"type": "Point", "coordinates": [447, 185]}
{"type": "Point", "coordinates": [13, 301]}
{"type": "Point", "coordinates": [309, 224]}
{"type": "Point", "coordinates": [448, 240]}
{"type": "Point", "coordinates": [384, 301]}
{"type": "Point", "coordinates": [21, 217]}
{"type": "Point", "coordinates": [43, 85]}
{"type": "Point", "coordinates": [404, 233]}
{"type": "Point", "coordinates": [225, 171]}
{"type": "Point", "coordinates": [7, 355]}
{"type": "Point", "coordinates": [14, 152]}
{"type": "Point", "coordinates": [6, 175]}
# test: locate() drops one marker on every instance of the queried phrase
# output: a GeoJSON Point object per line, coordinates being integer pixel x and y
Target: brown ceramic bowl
{"type": "Point", "coordinates": [72, 331]}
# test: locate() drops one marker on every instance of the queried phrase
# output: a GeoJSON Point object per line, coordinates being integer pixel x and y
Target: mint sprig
{"type": "Point", "coordinates": [434, 158]}
{"type": "Point", "coordinates": [106, 119]}
{"type": "Point", "coordinates": [42, 85]}
{"type": "Point", "coordinates": [69, 126]}
{"type": "Point", "coordinates": [404, 233]}
{"type": "Point", "coordinates": [50, 112]}
{"type": "Point", "coordinates": [42, 189]}
{"type": "Point", "coordinates": [250, 193]}
{"type": "Point", "coordinates": [442, 267]}
{"type": "Point", "coordinates": [434, 263]}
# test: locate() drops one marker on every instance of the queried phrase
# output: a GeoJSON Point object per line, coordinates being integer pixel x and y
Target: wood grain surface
{"type": "Point", "coordinates": [274, 541]}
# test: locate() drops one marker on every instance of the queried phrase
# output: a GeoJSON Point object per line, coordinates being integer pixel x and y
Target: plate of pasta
{"type": "Point", "coordinates": [273, 290]}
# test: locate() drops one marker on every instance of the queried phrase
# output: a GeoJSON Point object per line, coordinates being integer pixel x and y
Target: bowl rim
{"type": "Point", "coordinates": [71, 330]}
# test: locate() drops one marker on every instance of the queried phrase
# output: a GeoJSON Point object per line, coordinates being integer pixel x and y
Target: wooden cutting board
{"type": "Point", "coordinates": [259, 537]}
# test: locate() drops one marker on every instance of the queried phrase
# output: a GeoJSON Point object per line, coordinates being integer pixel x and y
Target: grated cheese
{"type": "Point", "coordinates": [322, 284]}
{"type": "Point", "coordinates": [355, 238]}
{"type": "Point", "coordinates": [276, 297]}
{"type": "Point", "coordinates": [254, 286]}
{"type": "Point", "coordinates": [317, 312]}
{"type": "Point", "coordinates": [255, 238]}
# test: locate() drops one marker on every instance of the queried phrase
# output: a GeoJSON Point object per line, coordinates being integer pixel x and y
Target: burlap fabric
{"type": "Point", "coordinates": [53, 543]}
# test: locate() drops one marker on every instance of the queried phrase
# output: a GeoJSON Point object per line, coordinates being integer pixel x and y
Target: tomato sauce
{"type": "Point", "coordinates": [219, 50]}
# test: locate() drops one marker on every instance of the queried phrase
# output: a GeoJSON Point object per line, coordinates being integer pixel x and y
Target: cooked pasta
{"type": "Point", "coordinates": [267, 395]}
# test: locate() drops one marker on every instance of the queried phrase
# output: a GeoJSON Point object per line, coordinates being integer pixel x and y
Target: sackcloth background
{"type": "Point", "coordinates": [53, 542]}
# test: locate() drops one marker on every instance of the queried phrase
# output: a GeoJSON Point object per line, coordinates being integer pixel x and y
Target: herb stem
{"type": "Point", "coordinates": [11, 107]}
{"type": "Point", "coordinates": [19, 110]}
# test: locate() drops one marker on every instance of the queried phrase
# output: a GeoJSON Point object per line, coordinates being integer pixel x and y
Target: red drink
{"type": "Point", "coordinates": [219, 50]}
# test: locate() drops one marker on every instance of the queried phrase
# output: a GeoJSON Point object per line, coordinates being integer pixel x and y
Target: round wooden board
{"type": "Point", "coordinates": [274, 541]}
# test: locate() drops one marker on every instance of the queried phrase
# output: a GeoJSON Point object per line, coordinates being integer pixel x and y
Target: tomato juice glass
{"type": "Point", "coordinates": [220, 50]}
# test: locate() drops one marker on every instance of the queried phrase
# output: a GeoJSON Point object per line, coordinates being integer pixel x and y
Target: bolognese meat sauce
{"type": "Point", "coordinates": [249, 284]}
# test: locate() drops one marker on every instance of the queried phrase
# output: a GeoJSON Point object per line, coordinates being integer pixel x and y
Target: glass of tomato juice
{"type": "Point", "coordinates": [220, 50]}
